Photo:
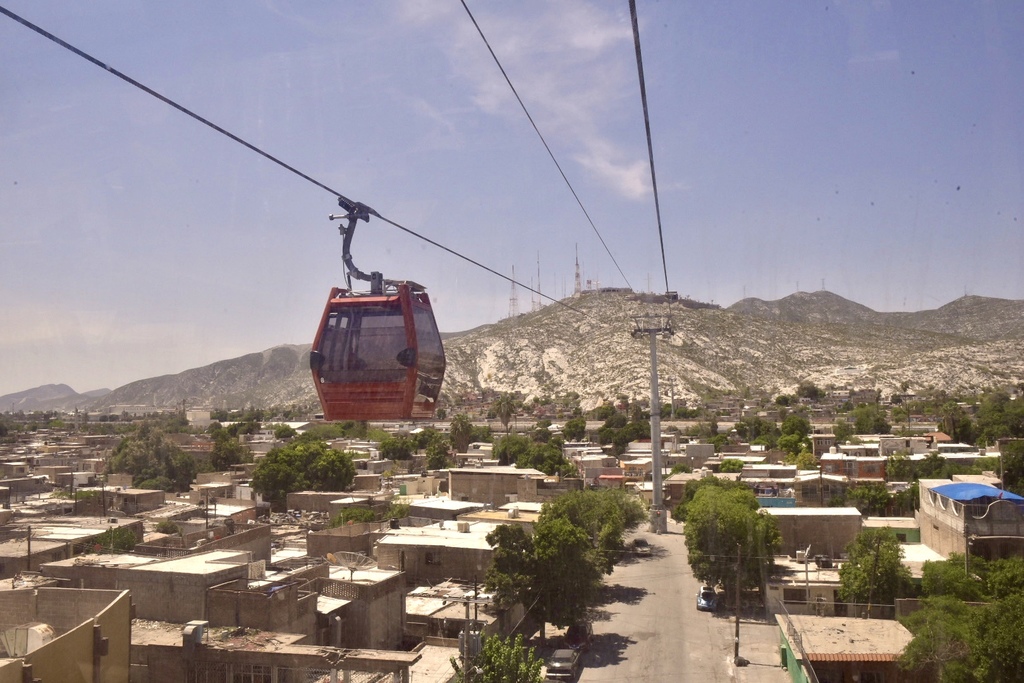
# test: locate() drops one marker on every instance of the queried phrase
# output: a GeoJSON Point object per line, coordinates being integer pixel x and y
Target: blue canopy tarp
{"type": "Point", "coordinates": [966, 492]}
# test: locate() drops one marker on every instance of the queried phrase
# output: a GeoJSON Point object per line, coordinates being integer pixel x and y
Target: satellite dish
{"type": "Point", "coordinates": [351, 561]}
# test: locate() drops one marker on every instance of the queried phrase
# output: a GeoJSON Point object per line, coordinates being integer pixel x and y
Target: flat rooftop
{"type": "Point", "coordinates": [844, 639]}
{"type": "Point", "coordinates": [202, 563]}
{"type": "Point", "coordinates": [891, 522]}
{"type": "Point", "coordinates": [814, 512]}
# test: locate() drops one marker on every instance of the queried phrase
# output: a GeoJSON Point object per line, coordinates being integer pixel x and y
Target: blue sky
{"type": "Point", "coordinates": [874, 147]}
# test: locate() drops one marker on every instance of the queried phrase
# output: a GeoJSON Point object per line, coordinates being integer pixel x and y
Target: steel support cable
{"type": "Point", "coordinates": [248, 145]}
{"type": "Point", "coordinates": [545, 143]}
{"type": "Point", "coordinates": [647, 127]}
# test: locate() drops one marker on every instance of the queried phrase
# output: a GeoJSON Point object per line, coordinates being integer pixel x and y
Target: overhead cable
{"type": "Point", "coordinates": [254, 148]}
{"type": "Point", "coordinates": [647, 127]}
{"type": "Point", "coordinates": [544, 142]}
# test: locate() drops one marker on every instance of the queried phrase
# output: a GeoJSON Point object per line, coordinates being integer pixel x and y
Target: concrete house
{"type": "Point", "coordinates": [826, 530]}
{"type": "Point", "coordinates": [432, 554]}
{"type": "Point", "coordinates": [970, 517]}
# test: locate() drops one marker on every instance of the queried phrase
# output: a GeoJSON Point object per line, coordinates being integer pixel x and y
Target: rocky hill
{"type": "Point", "coordinates": [278, 376]}
{"type": "Point", "coordinates": [764, 346]}
{"type": "Point", "coordinates": [49, 397]}
{"type": "Point", "coordinates": [585, 345]}
{"type": "Point", "coordinates": [974, 317]}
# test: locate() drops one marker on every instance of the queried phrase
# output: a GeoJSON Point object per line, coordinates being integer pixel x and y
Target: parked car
{"type": "Point", "coordinates": [641, 548]}
{"type": "Point", "coordinates": [563, 665]}
{"type": "Point", "coordinates": [579, 635]}
{"type": "Point", "coordinates": [707, 599]}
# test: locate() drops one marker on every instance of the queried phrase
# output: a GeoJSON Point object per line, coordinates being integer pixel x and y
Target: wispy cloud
{"type": "Point", "coordinates": [571, 64]}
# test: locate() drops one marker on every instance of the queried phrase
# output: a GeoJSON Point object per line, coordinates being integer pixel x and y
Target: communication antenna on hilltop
{"type": "Point", "coordinates": [577, 289]}
{"type": "Point", "coordinates": [513, 299]}
{"type": "Point", "coordinates": [651, 326]}
{"type": "Point", "coordinates": [537, 302]}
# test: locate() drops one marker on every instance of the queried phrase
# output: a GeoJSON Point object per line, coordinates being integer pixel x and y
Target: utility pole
{"type": "Point", "coordinates": [651, 327]}
{"type": "Point", "coordinates": [736, 640]}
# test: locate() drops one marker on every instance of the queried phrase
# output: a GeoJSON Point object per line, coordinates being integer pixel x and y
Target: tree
{"type": "Point", "coordinates": [283, 431]}
{"type": "Point", "coordinates": [568, 571]}
{"type": "Point", "coordinates": [505, 409]}
{"type": "Point", "coordinates": [795, 423]}
{"type": "Point", "coordinates": [513, 566]}
{"type": "Point", "coordinates": [460, 430]}
{"type": "Point", "coordinates": [509, 449]}
{"type": "Point", "coordinates": [227, 451]}
{"type": "Point", "coordinates": [870, 498]}
{"type": "Point", "coordinates": [604, 514]}
{"type": "Point", "coordinates": [998, 650]}
{"type": "Point", "coordinates": [899, 468]}
{"type": "Point", "coordinates": [807, 389]}
{"type": "Point", "coordinates": [303, 464]}
{"type": "Point", "coordinates": [874, 572]}
{"type": "Point", "coordinates": [943, 633]}
{"type": "Point", "coordinates": [723, 523]}
{"type": "Point", "coordinates": [1013, 465]}
{"type": "Point", "coordinates": [153, 459]}
{"type": "Point", "coordinates": [396, 448]}
{"type": "Point", "coordinates": [503, 660]}
{"type": "Point", "coordinates": [695, 485]}
{"type": "Point", "coordinates": [792, 444]}
{"type": "Point", "coordinates": [843, 430]}
{"type": "Point", "coordinates": [116, 539]}
{"type": "Point", "coordinates": [949, 577]}
{"type": "Point", "coordinates": [869, 418]}
{"type": "Point", "coordinates": [575, 429]}
{"type": "Point", "coordinates": [438, 454]}
{"type": "Point", "coordinates": [352, 515]}
{"type": "Point", "coordinates": [548, 459]}
{"type": "Point", "coordinates": [731, 465]}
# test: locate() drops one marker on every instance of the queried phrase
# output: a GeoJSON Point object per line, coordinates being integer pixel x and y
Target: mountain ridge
{"type": "Point", "coordinates": [584, 344]}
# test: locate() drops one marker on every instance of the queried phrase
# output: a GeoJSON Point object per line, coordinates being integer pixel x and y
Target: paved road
{"type": "Point", "coordinates": [649, 630]}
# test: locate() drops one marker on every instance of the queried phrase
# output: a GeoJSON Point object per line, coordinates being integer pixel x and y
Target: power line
{"type": "Point", "coordinates": [545, 143]}
{"type": "Point", "coordinates": [647, 127]}
{"type": "Point", "coordinates": [248, 145]}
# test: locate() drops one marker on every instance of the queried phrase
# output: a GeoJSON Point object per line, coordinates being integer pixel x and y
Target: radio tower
{"type": "Point", "coordinates": [577, 289]}
{"type": "Point", "coordinates": [513, 299]}
{"type": "Point", "coordinates": [536, 303]}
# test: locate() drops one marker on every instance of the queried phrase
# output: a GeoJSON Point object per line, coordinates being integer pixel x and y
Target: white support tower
{"type": "Point", "coordinates": [652, 326]}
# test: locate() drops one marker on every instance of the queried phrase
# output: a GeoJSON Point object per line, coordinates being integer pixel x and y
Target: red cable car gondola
{"type": "Point", "coordinates": [376, 355]}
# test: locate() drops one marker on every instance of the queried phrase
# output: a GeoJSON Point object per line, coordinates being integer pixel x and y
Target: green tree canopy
{"type": "Point", "coordinates": [505, 409]}
{"type": "Point", "coordinates": [731, 465]}
{"type": "Point", "coordinates": [227, 451]}
{"type": "Point", "coordinates": [510, 448]}
{"type": "Point", "coordinates": [438, 454]}
{"type": "Point", "coordinates": [695, 485]}
{"type": "Point", "coordinates": [604, 514]}
{"type": "Point", "coordinates": [283, 431]}
{"type": "Point", "coordinates": [721, 524]}
{"type": "Point", "coordinates": [548, 459]}
{"type": "Point", "coordinates": [302, 465]}
{"type": "Point", "coordinates": [575, 429]}
{"type": "Point", "coordinates": [943, 634]}
{"type": "Point", "coordinates": [151, 458]}
{"type": "Point", "coordinates": [398, 447]}
{"type": "Point", "coordinates": [460, 431]}
{"type": "Point", "coordinates": [503, 660]}
{"type": "Point", "coordinates": [949, 577]}
{"type": "Point", "coordinates": [869, 418]}
{"type": "Point", "coordinates": [874, 571]}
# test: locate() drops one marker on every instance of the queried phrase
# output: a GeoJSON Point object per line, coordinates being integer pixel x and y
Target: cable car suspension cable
{"type": "Point", "coordinates": [544, 142]}
{"type": "Point", "coordinates": [647, 126]}
{"type": "Point", "coordinates": [342, 200]}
